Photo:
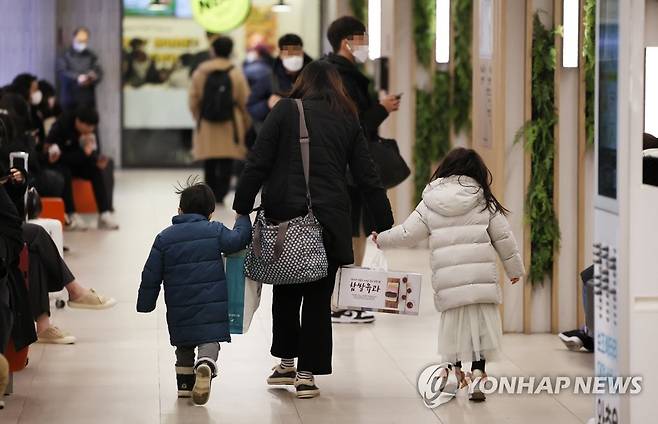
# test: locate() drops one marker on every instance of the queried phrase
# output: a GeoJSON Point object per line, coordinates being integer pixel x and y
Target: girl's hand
{"type": "Point", "coordinates": [514, 280]}
{"type": "Point", "coordinates": [374, 237]}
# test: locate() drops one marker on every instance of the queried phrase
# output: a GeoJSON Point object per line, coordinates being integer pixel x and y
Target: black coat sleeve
{"type": "Point", "coordinates": [59, 134]}
{"type": "Point", "coordinates": [372, 118]}
{"type": "Point", "coordinates": [367, 179]}
{"type": "Point", "coordinates": [261, 159]}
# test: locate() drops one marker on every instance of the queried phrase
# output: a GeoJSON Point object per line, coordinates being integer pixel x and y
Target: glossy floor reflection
{"type": "Point", "coordinates": [122, 368]}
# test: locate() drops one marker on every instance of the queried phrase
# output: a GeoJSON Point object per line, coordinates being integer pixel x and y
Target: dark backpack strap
{"type": "Point", "coordinates": [304, 145]}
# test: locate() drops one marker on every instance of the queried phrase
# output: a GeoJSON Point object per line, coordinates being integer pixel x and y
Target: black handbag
{"type": "Point", "coordinates": [33, 205]}
{"type": "Point", "coordinates": [391, 165]}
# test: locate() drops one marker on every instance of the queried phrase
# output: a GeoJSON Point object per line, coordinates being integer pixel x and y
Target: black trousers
{"type": "Point", "coordinates": [89, 171]}
{"type": "Point", "coordinates": [55, 181]}
{"type": "Point", "coordinates": [47, 272]}
{"type": "Point", "coordinates": [217, 173]}
{"type": "Point", "coordinates": [308, 339]}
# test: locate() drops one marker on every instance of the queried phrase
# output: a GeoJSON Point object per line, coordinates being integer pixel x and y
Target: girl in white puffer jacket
{"type": "Point", "coordinates": [467, 229]}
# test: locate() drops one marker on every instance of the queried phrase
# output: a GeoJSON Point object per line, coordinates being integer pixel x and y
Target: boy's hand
{"type": "Point", "coordinates": [514, 280]}
{"type": "Point", "coordinates": [374, 237]}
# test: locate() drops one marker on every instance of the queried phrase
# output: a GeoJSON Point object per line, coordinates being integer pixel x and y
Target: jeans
{"type": "Point", "coordinates": [309, 340]}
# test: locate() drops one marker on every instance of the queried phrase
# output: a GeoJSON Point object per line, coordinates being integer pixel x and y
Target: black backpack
{"type": "Point", "coordinates": [217, 102]}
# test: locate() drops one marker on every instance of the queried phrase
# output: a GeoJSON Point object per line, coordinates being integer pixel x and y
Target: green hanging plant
{"type": "Point", "coordinates": [589, 58]}
{"type": "Point", "coordinates": [424, 24]}
{"type": "Point", "coordinates": [540, 143]}
{"type": "Point", "coordinates": [359, 9]}
{"type": "Point", "coordinates": [461, 90]}
{"type": "Point", "coordinates": [432, 129]}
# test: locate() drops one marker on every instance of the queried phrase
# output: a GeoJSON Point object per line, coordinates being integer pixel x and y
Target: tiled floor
{"type": "Point", "coordinates": [121, 369]}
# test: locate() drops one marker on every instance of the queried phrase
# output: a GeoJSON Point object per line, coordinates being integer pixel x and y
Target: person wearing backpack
{"type": "Point", "coordinates": [217, 99]}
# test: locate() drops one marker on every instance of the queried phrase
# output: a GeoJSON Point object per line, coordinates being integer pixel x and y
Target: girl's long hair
{"type": "Point", "coordinates": [320, 79]}
{"type": "Point", "coordinates": [468, 162]}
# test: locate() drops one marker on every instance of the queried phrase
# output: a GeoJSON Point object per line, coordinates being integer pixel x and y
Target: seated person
{"type": "Point", "coordinates": [79, 152]}
{"type": "Point", "coordinates": [48, 272]}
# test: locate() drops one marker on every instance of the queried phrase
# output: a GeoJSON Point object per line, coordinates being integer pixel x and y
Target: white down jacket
{"type": "Point", "coordinates": [464, 239]}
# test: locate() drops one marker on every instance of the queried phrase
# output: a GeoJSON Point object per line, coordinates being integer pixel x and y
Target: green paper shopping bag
{"type": "Point", "coordinates": [243, 294]}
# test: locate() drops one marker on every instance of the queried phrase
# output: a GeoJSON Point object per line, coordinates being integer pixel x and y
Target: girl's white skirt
{"type": "Point", "coordinates": [470, 333]}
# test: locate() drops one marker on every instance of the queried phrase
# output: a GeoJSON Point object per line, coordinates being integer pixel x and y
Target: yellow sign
{"type": "Point", "coordinates": [220, 15]}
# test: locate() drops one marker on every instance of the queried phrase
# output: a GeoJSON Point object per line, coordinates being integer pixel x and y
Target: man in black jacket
{"type": "Point", "coordinates": [349, 41]}
{"type": "Point", "coordinates": [268, 90]}
{"type": "Point", "coordinates": [78, 151]}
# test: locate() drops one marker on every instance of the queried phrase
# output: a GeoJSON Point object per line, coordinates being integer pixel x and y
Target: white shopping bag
{"type": "Point", "coordinates": [377, 289]}
{"type": "Point", "coordinates": [243, 294]}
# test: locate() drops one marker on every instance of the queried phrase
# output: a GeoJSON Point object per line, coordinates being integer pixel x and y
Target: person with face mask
{"type": "Point", "coordinates": [79, 72]}
{"type": "Point", "coordinates": [268, 90]}
{"type": "Point", "coordinates": [349, 41]}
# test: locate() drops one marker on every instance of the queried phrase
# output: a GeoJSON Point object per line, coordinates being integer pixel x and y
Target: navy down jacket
{"type": "Point", "coordinates": [187, 257]}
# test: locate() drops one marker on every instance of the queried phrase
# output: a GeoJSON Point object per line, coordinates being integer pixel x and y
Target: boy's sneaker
{"type": "Point", "coordinates": [306, 388]}
{"type": "Point", "coordinates": [282, 376]}
{"type": "Point", "coordinates": [477, 377]}
{"type": "Point", "coordinates": [106, 221]}
{"type": "Point", "coordinates": [350, 316]}
{"type": "Point", "coordinates": [74, 223]}
{"type": "Point", "coordinates": [205, 371]}
{"type": "Point", "coordinates": [185, 381]}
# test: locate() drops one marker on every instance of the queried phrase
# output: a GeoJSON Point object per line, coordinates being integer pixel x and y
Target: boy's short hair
{"type": "Point", "coordinates": [343, 28]}
{"type": "Point", "coordinates": [196, 197]}
{"type": "Point", "coordinates": [88, 115]}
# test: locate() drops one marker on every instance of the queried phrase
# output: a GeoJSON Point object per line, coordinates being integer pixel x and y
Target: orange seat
{"type": "Point", "coordinates": [53, 208]}
{"type": "Point", "coordinates": [83, 196]}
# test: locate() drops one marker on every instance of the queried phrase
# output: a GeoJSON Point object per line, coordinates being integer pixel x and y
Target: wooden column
{"type": "Point", "coordinates": [582, 184]}
{"type": "Point", "coordinates": [555, 279]}
{"type": "Point", "coordinates": [527, 256]}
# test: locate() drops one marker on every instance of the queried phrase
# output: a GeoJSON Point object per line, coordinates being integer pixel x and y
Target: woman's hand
{"type": "Point", "coordinates": [514, 280]}
{"type": "Point", "coordinates": [374, 237]}
{"type": "Point", "coordinates": [16, 176]}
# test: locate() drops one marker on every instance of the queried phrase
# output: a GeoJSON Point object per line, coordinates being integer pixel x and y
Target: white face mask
{"type": "Point", "coordinates": [293, 63]}
{"type": "Point", "coordinates": [79, 47]}
{"type": "Point", "coordinates": [252, 56]}
{"type": "Point", "coordinates": [36, 97]}
{"type": "Point", "coordinates": [360, 52]}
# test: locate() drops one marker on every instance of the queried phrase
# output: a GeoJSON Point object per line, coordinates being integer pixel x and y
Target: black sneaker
{"type": "Point", "coordinates": [306, 388]}
{"type": "Point", "coordinates": [349, 316]}
{"type": "Point", "coordinates": [575, 340]}
{"type": "Point", "coordinates": [201, 391]}
{"type": "Point", "coordinates": [282, 376]}
{"type": "Point", "coordinates": [185, 381]}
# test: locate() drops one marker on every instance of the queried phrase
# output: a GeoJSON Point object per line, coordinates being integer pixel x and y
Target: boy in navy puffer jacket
{"type": "Point", "coordinates": [187, 257]}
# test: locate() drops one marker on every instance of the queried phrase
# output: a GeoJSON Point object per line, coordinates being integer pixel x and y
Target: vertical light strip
{"type": "Point", "coordinates": [375, 28]}
{"type": "Point", "coordinates": [571, 27]}
{"type": "Point", "coordinates": [651, 91]}
{"type": "Point", "coordinates": [442, 31]}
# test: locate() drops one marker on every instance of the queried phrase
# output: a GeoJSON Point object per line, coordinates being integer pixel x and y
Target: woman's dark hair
{"type": "Point", "coordinates": [468, 163]}
{"type": "Point", "coordinates": [222, 46]}
{"type": "Point", "coordinates": [649, 141]}
{"type": "Point", "coordinates": [290, 40]}
{"type": "Point", "coordinates": [18, 110]}
{"type": "Point", "coordinates": [343, 28]}
{"type": "Point", "coordinates": [320, 79]}
{"type": "Point", "coordinates": [196, 197]}
{"type": "Point", "coordinates": [22, 84]}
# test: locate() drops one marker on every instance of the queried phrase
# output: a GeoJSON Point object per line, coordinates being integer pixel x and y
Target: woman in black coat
{"type": "Point", "coordinates": [275, 164]}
